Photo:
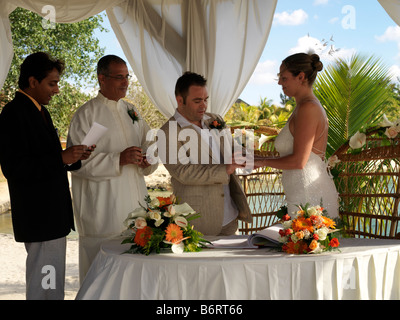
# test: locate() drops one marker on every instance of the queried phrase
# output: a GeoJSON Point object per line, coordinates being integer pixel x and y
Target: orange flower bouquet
{"type": "Point", "coordinates": [163, 224]}
{"type": "Point", "coordinates": [309, 231]}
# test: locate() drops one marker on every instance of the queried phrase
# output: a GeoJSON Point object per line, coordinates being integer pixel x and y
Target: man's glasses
{"type": "Point", "coordinates": [120, 78]}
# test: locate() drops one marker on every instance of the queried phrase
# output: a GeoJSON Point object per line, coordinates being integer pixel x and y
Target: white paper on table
{"type": "Point", "coordinates": [94, 134]}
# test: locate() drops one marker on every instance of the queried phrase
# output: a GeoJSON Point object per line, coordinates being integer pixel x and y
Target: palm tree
{"type": "Point", "coordinates": [355, 94]}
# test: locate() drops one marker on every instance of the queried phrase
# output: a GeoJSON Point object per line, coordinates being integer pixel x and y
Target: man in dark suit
{"type": "Point", "coordinates": [35, 166]}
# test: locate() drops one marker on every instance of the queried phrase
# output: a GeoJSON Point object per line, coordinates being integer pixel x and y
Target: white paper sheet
{"type": "Point", "coordinates": [94, 134]}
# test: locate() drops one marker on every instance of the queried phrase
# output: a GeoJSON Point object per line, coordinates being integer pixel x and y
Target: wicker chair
{"type": "Point", "coordinates": [368, 185]}
{"type": "Point", "coordinates": [263, 189]}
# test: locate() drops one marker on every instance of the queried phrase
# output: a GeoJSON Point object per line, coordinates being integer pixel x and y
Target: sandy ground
{"type": "Point", "coordinates": [12, 269]}
{"type": "Point", "coordinates": [13, 254]}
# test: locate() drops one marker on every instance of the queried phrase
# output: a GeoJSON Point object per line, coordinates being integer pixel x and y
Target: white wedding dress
{"type": "Point", "coordinates": [312, 184]}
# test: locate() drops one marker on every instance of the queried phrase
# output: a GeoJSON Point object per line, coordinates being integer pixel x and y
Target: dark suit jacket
{"type": "Point", "coordinates": [30, 158]}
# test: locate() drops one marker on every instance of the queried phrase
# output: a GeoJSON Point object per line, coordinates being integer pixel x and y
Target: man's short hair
{"type": "Point", "coordinates": [104, 63]}
{"type": "Point", "coordinates": [38, 65]}
{"type": "Point", "coordinates": [187, 80]}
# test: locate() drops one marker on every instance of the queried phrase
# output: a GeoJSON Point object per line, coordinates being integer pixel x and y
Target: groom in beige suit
{"type": "Point", "coordinates": [200, 163]}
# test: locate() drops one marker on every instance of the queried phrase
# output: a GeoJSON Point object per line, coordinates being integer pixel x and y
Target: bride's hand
{"type": "Point", "coordinates": [259, 162]}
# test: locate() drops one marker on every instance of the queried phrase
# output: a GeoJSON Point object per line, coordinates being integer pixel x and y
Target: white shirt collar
{"type": "Point", "coordinates": [183, 122]}
{"type": "Point", "coordinates": [112, 104]}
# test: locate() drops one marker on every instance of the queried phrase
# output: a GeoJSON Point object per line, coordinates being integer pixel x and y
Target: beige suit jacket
{"type": "Point", "coordinates": [201, 185]}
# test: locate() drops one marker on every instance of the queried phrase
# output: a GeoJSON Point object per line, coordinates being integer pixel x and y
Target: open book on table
{"type": "Point", "coordinates": [267, 237]}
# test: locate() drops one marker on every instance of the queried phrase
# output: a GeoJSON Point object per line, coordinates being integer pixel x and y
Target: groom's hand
{"type": "Point", "coordinates": [230, 168]}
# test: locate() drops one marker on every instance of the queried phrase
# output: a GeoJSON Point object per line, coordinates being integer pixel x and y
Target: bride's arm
{"type": "Point", "coordinates": [305, 128]}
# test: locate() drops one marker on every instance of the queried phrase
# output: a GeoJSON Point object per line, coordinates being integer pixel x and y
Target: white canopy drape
{"type": "Point", "coordinates": [392, 7]}
{"type": "Point", "coordinates": [221, 39]}
{"type": "Point", "coordinates": [66, 11]}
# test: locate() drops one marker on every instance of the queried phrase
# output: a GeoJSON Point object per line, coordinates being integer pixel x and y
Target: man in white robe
{"type": "Point", "coordinates": [111, 183]}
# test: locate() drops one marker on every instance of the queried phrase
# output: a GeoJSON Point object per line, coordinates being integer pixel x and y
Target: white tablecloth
{"type": "Point", "coordinates": [364, 269]}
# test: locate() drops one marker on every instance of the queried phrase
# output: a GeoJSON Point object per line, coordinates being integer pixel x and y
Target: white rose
{"type": "Point", "coordinates": [312, 211]}
{"type": "Point", "coordinates": [287, 224]}
{"type": "Point", "coordinates": [140, 223]}
{"type": "Point", "coordinates": [155, 215]}
{"type": "Point", "coordinates": [159, 222]}
{"type": "Point", "coordinates": [358, 140]}
{"type": "Point", "coordinates": [181, 221]}
{"type": "Point", "coordinates": [178, 248]}
{"type": "Point", "coordinates": [307, 234]}
{"type": "Point", "coordinates": [155, 202]}
{"type": "Point", "coordinates": [322, 233]}
{"type": "Point", "coordinates": [391, 132]}
{"type": "Point", "coordinates": [294, 238]}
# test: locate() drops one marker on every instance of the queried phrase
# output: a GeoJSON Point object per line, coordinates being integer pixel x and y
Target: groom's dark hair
{"type": "Point", "coordinates": [187, 80]}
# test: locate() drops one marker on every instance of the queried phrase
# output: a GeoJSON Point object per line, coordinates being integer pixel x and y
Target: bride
{"type": "Point", "coordinates": [302, 142]}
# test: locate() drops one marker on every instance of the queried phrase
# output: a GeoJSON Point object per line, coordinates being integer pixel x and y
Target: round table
{"type": "Point", "coordinates": [363, 269]}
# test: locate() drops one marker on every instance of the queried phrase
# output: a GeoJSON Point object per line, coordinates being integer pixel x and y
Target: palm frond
{"type": "Point", "coordinates": [354, 94]}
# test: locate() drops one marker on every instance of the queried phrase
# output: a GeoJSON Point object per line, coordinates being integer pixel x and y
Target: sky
{"type": "Point", "coordinates": [351, 26]}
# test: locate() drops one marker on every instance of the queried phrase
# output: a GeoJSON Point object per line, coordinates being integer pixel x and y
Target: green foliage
{"type": "Point", "coordinates": [63, 106]}
{"type": "Point", "coordinates": [354, 93]}
{"type": "Point", "coordinates": [146, 108]}
{"type": "Point", "coordinates": [392, 110]}
{"type": "Point", "coordinates": [265, 114]}
{"type": "Point", "coordinates": [74, 43]}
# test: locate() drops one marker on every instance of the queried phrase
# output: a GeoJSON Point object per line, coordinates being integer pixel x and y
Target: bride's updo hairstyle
{"type": "Point", "coordinates": [310, 64]}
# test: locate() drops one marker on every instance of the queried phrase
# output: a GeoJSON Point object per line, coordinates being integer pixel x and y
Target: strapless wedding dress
{"type": "Point", "coordinates": [312, 184]}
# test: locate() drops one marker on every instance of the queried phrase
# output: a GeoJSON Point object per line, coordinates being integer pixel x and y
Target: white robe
{"type": "Point", "coordinates": [103, 192]}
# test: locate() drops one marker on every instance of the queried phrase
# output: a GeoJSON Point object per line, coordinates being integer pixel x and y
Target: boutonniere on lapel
{"type": "Point", "coordinates": [133, 114]}
{"type": "Point", "coordinates": [217, 124]}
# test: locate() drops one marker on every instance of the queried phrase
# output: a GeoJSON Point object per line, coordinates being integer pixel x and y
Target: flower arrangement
{"type": "Point", "coordinates": [385, 129]}
{"type": "Point", "coordinates": [385, 132]}
{"type": "Point", "coordinates": [308, 231]}
{"type": "Point", "coordinates": [133, 114]}
{"type": "Point", "coordinates": [163, 224]}
{"type": "Point", "coordinates": [217, 124]}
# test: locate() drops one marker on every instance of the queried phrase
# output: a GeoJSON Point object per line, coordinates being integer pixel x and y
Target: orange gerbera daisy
{"type": "Point", "coordinates": [301, 224]}
{"type": "Point", "coordinates": [295, 248]}
{"type": "Point", "coordinates": [174, 233]}
{"type": "Point", "coordinates": [329, 223]}
{"type": "Point", "coordinates": [164, 201]}
{"type": "Point", "coordinates": [143, 236]}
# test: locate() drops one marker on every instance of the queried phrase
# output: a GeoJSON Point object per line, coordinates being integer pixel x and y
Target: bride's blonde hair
{"type": "Point", "coordinates": [310, 64]}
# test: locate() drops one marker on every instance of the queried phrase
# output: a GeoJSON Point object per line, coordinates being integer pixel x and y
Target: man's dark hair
{"type": "Point", "coordinates": [104, 63]}
{"type": "Point", "coordinates": [38, 65]}
{"type": "Point", "coordinates": [187, 80]}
